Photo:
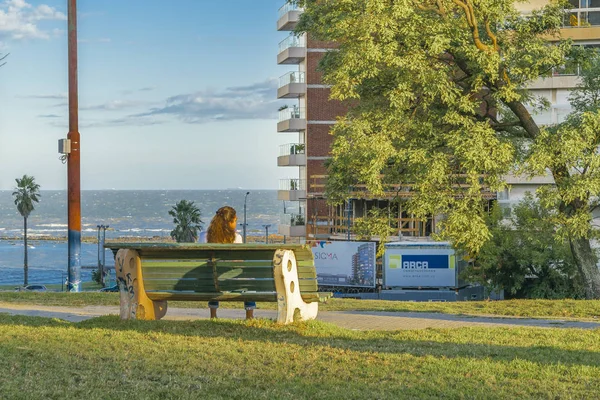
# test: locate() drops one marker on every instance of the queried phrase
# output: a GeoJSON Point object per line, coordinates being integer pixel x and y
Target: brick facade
{"type": "Point", "coordinates": [318, 140]}
{"type": "Point", "coordinates": [313, 77]}
{"type": "Point", "coordinates": [320, 108]}
{"type": "Point", "coordinates": [317, 44]}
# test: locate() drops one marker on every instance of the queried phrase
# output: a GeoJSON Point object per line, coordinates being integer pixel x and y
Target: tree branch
{"type": "Point", "coordinates": [525, 118]}
{"type": "Point", "coordinates": [472, 21]}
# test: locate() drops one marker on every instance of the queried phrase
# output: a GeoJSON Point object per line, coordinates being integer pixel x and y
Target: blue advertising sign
{"type": "Point", "coordinates": [424, 261]}
{"type": "Point", "coordinates": [426, 266]}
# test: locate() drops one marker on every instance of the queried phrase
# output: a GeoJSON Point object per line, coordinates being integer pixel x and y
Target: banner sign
{"type": "Point", "coordinates": [344, 263]}
{"type": "Point", "coordinates": [419, 266]}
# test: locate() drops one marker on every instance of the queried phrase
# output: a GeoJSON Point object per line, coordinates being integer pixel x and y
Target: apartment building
{"type": "Point", "coordinates": [582, 25]}
{"type": "Point", "coordinates": [310, 115]}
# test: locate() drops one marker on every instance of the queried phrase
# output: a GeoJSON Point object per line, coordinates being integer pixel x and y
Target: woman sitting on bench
{"type": "Point", "coordinates": [222, 229]}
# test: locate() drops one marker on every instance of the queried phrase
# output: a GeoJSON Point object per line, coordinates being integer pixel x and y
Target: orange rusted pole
{"type": "Point", "coordinates": [73, 161]}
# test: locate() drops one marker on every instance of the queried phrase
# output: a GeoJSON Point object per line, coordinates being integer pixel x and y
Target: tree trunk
{"type": "Point", "coordinates": [25, 267]}
{"type": "Point", "coordinates": [586, 259]}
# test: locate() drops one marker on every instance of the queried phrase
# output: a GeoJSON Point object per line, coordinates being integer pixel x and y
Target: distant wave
{"type": "Point", "coordinates": [143, 230]}
{"type": "Point", "coordinates": [53, 225]}
{"type": "Point", "coordinates": [46, 230]}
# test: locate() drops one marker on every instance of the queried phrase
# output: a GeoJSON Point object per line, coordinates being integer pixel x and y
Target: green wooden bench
{"type": "Point", "coordinates": [150, 274]}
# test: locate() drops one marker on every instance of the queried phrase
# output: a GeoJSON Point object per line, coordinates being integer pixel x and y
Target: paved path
{"type": "Point", "coordinates": [359, 320]}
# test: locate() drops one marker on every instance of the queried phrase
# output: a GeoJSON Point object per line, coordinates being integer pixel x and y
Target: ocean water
{"type": "Point", "coordinates": [142, 213]}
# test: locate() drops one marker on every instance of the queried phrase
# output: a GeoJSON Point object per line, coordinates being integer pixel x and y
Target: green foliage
{"type": "Point", "coordinates": [26, 194]}
{"type": "Point", "coordinates": [524, 256]}
{"type": "Point", "coordinates": [426, 91]}
{"type": "Point", "coordinates": [586, 96]}
{"type": "Point", "coordinates": [187, 219]}
{"type": "Point", "coordinates": [297, 220]}
{"type": "Point", "coordinates": [97, 276]}
{"type": "Point", "coordinates": [376, 223]}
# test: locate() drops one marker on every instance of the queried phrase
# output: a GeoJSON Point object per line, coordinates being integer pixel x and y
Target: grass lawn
{"type": "Point", "coordinates": [109, 358]}
{"type": "Point", "coordinates": [575, 309]}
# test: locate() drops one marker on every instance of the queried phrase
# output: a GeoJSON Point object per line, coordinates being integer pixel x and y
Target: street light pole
{"type": "Point", "coordinates": [267, 233]}
{"type": "Point", "coordinates": [104, 252]}
{"type": "Point", "coordinates": [73, 159]}
{"type": "Point", "coordinates": [101, 254]}
{"type": "Point", "coordinates": [245, 199]}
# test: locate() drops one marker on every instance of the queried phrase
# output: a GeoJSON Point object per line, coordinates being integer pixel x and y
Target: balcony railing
{"type": "Point", "coordinates": [567, 70]}
{"type": "Point", "coordinates": [317, 184]}
{"type": "Point", "coordinates": [287, 7]}
{"type": "Point", "coordinates": [292, 184]}
{"type": "Point", "coordinates": [292, 113]}
{"type": "Point", "coordinates": [291, 77]}
{"type": "Point", "coordinates": [292, 219]}
{"type": "Point", "coordinates": [291, 148]}
{"type": "Point", "coordinates": [582, 17]}
{"type": "Point", "coordinates": [291, 41]}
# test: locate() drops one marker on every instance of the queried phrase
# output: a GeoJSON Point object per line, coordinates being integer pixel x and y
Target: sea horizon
{"type": "Point", "coordinates": [128, 213]}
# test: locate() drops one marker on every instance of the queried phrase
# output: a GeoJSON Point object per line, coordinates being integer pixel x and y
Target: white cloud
{"type": "Point", "coordinates": [257, 101]}
{"type": "Point", "coordinates": [20, 20]}
{"type": "Point", "coordinates": [116, 105]}
{"type": "Point", "coordinates": [54, 96]}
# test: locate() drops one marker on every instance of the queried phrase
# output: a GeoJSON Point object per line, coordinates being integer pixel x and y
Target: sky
{"type": "Point", "coordinates": [173, 95]}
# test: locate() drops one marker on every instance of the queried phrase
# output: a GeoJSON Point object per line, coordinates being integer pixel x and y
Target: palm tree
{"type": "Point", "coordinates": [2, 58]}
{"type": "Point", "coordinates": [26, 194]}
{"type": "Point", "coordinates": [186, 217]}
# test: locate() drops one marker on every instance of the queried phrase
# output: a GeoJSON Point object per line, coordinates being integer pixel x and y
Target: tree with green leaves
{"type": "Point", "coordinates": [186, 217]}
{"type": "Point", "coordinates": [524, 257]}
{"type": "Point", "coordinates": [26, 194]}
{"type": "Point", "coordinates": [440, 103]}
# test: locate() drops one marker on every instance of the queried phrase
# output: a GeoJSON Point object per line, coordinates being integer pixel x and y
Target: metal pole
{"type": "Point", "coordinates": [104, 227]}
{"type": "Point", "coordinates": [73, 160]}
{"type": "Point", "coordinates": [266, 233]}
{"type": "Point", "coordinates": [348, 216]}
{"type": "Point", "coordinates": [245, 198]}
{"type": "Point", "coordinates": [99, 255]}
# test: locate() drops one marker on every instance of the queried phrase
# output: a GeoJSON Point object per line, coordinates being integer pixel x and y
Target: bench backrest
{"type": "Point", "coordinates": [169, 269]}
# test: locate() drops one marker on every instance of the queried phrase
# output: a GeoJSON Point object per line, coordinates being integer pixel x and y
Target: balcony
{"type": "Point", "coordinates": [292, 85]}
{"type": "Point", "coordinates": [582, 17]}
{"type": "Point", "coordinates": [291, 155]}
{"type": "Point", "coordinates": [292, 120]}
{"type": "Point", "coordinates": [289, 14]}
{"type": "Point", "coordinates": [292, 50]}
{"type": "Point", "coordinates": [292, 225]}
{"type": "Point", "coordinates": [582, 23]}
{"type": "Point", "coordinates": [563, 77]}
{"type": "Point", "coordinates": [292, 190]}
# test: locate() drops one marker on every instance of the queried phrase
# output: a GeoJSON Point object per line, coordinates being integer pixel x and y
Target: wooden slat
{"type": "Point", "coordinates": [192, 296]}
{"type": "Point", "coordinates": [200, 286]}
{"type": "Point", "coordinates": [206, 272]}
{"type": "Point", "coordinates": [223, 274]}
{"type": "Point", "coordinates": [310, 297]}
{"type": "Point", "coordinates": [177, 263]}
{"type": "Point", "coordinates": [207, 284]}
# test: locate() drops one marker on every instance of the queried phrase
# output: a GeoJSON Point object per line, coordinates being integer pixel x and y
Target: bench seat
{"type": "Point", "coordinates": [149, 274]}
